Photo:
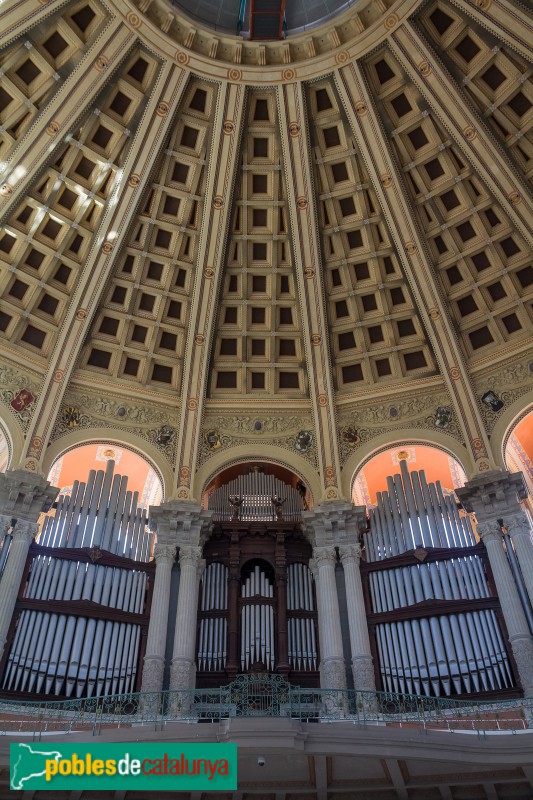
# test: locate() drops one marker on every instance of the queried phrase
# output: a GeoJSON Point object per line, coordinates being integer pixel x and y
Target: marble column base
{"type": "Point", "coordinates": [182, 674]}
{"type": "Point", "coordinates": [523, 654]}
{"type": "Point", "coordinates": [364, 679]}
{"type": "Point", "coordinates": [332, 674]}
{"type": "Point", "coordinates": [153, 670]}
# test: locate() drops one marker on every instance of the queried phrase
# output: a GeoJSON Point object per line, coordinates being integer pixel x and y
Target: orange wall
{"type": "Point", "coordinates": [434, 462]}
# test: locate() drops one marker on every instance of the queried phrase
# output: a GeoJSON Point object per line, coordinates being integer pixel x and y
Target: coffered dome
{"type": "Point", "coordinates": [244, 242]}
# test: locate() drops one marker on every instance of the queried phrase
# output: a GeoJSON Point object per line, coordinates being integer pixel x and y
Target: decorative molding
{"type": "Point", "coordinates": [12, 380]}
{"type": "Point", "coordinates": [242, 430]}
{"type": "Point", "coordinates": [415, 412]}
{"type": "Point", "coordinates": [97, 412]}
{"type": "Point", "coordinates": [510, 382]}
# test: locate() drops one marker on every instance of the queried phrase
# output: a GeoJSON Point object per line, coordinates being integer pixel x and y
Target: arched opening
{"type": "Point", "coordinates": [257, 484]}
{"type": "Point", "coordinates": [436, 463]}
{"type": "Point", "coordinates": [85, 597]}
{"type": "Point", "coordinates": [422, 563]}
{"type": "Point", "coordinates": [77, 463]}
{"type": "Point", "coordinates": [519, 452]}
{"type": "Point", "coordinates": [257, 609]}
{"type": "Point", "coordinates": [4, 451]}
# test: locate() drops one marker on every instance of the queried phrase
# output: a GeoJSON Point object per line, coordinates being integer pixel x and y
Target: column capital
{"type": "Point", "coordinates": [25, 530]}
{"type": "Point", "coordinates": [5, 524]}
{"type": "Point", "coordinates": [191, 556]}
{"type": "Point", "coordinates": [489, 531]}
{"type": "Point", "coordinates": [334, 523]}
{"type": "Point", "coordinates": [165, 553]}
{"type": "Point", "coordinates": [24, 495]}
{"type": "Point", "coordinates": [493, 495]}
{"type": "Point", "coordinates": [324, 555]}
{"type": "Point", "coordinates": [350, 552]}
{"type": "Point", "coordinates": [180, 523]}
{"type": "Point", "coordinates": [517, 525]}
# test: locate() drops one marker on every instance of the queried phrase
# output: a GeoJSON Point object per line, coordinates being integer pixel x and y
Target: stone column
{"type": "Point", "coordinates": [362, 664]}
{"type": "Point", "coordinates": [5, 525]}
{"type": "Point", "coordinates": [515, 619]}
{"type": "Point", "coordinates": [332, 668]}
{"type": "Point", "coordinates": [183, 668]}
{"type": "Point", "coordinates": [495, 499]}
{"type": "Point", "coordinates": [519, 530]}
{"type": "Point", "coordinates": [154, 660]}
{"type": "Point", "coordinates": [23, 535]}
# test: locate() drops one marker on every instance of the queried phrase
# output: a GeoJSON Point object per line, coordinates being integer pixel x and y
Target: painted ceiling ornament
{"type": "Point", "coordinates": [164, 434]}
{"type": "Point", "coordinates": [492, 400]}
{"type": "Point", "coordinates": [303, 441]}
{"type": "Point", "coordinates": [350, 435]}
{"type": "Point", "coordinates": [213, 439]}
{"type": "Point", "coordinates": [443, 417]}
{"type": "Point", "coordinates": [71, 416]}
{"type": "Point", "coordinates": [22, 400]}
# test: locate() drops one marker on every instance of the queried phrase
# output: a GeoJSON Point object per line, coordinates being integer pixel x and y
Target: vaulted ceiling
{"type": "Point", "coordinates": [324, 234]}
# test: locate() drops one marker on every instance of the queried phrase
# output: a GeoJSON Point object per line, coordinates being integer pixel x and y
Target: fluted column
{"type": "Point", "coordinates": [362, 664]}
{"type": "Point", "coordinates": [154, 660]}
{"type": "Point", "coordinates": [23, 535]}
{"type": "Point", "coordinates": [515, 619]}
{"type": "Point", "coordinates": [332, 668]}
{"type": "Point", "coordinates": [182, 672]}
{"type": "Point", "coordinates": [519, 530]}
{"type": "Point", "coordinates": [5, 525]}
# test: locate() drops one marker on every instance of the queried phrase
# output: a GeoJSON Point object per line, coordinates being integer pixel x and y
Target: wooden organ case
{"type": "Point", "coordinates": [257, 608]}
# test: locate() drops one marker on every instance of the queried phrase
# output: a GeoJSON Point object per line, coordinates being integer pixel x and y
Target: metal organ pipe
{"type": "Point", "coordinates": [212, 644]}
{"type": "Point", "coordinates": [446, 654]}
{"type": "Point", "coordinates": [255, 490]}
{"type": "Point", "coordinates": [64, 654]}
{"type": "Point", "coordinates": [301, 632]}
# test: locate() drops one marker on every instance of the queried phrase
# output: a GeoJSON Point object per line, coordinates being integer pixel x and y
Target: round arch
{"type": "Point", "coordinates": [384, 441]}
{"type": "Point", "coordinates": [508, 420]}
{"type": "Point", "coordinates": [110, 436]}
{"type": "Point", "coordinates": [14, 438]}
{"type": "Point", "coordinates": [245, 454]}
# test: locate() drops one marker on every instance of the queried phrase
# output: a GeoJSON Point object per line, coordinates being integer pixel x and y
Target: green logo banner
{"type": "Point", "coordinates": [156, 767]}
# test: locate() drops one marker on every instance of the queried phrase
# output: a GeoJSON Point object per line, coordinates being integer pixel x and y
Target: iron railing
{"type": "Point", "coordinates": [260, 697]}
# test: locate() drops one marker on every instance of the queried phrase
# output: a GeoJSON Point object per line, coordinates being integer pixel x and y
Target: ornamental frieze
{"type": "Point", "coordinates": [361, 425]}
{"type": "Point", "coordinates": [86, 411]}
{"type": "Point", "coordinates": [18, 392]}
{"type": "Point", "coordinates": [508, 383]}
{"type": "Point", "coordinates": [222, 433]}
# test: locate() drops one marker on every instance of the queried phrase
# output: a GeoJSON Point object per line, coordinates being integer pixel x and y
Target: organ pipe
{"type": "Point", "coordinates": [301, 633]}
{"type": "Point", "coordinates": [435, 655]}
{"type": "Point", "coordinates": [79, 656]}
{"type": "Point", "coordinates": [256, 491]}
{"type": "Point", "coordinates": [212, 639]}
